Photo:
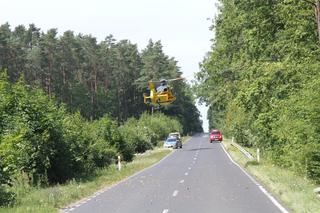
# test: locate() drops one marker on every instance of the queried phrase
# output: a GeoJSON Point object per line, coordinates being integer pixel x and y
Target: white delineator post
{"type": "Point", "coordinates": [258, 155]}
{"type": "Point", "coordinates": [119, 163]}
{"type": "Point", "coordinates": [232, 139]}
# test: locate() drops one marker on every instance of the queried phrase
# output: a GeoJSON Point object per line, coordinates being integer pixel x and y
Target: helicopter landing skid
{"type": "Point", "coordinates": [159, 107]}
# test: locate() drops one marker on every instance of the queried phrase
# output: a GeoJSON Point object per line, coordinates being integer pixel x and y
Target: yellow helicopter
{"type": "Point", "coordinates": [161, 95]}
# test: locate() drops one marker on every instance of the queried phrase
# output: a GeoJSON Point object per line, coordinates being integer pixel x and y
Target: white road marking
{"type": "Point", "coordinates": [273, 200]}
{"type": "Point", "coordinates": [186, 173]}
{"type": "Point", "coordinates": [175, 193]}
{"type": "Point", "coordinates": [189, 168]}
{"type": "Point", "coordinates": [165, 211]}
{"type": "Point", "coordinates": [194, 158]}
{"type": "Point", "coordinates": [181, 181]}
{"type": "Point", "coordinates": [123, 181]}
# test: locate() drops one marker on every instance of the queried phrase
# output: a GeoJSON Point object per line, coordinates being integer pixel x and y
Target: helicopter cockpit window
{"type": "Point", "coordinates": [162, 88]}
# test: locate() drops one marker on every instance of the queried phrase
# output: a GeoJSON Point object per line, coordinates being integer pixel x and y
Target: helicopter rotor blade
{"type": "Point", "coordinates": [137, 82]}
{"type": "Point", "coordinates": [175, 79]}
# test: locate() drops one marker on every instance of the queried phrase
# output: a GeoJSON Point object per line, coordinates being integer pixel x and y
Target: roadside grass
{"type": "Point", "coordinates": [185, 139]}
{"type": "Point", "coordinates": [294, 191]}
{"type": "Point", "coordinates": [51, 199]}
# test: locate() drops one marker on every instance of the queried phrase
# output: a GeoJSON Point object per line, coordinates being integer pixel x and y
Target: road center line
{"type": "Point", "coordinates": [165, 211]}
{"type": "Point", "coordinates": [175, 193]}
{"type": "Point", "coordinates": [186, 173]}
{"type": "Point", "coordinates": [181, 181]}
{"type": "Point", "coordinates": [189, 168]}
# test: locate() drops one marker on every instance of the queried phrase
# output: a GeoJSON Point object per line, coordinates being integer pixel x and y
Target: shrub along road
{"type": "Point", "coordinates": [198, 178]}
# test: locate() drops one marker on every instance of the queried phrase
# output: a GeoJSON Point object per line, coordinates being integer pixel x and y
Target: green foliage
{"type": "Point", "coordinates": [313, 165]}
{"type": "Point", "coordinates": [40, 143]}
{"type": "Point", "coordinates": [6, 198]}
{"type": "Point", "coordinates": [39, 139]}
{"type": "Point", "coordinates": [138, 137]}
{"type": "Point", "coordinates": [91, 77]}
{"type": "Point", "coordinates": [143, 134]}
{"type": "Point", "coordinates": [31, 134]}
{"type": "Point", "coordinates": [63, 97]}
{"type": "Point", "coordinates": [106, 132]}
{"type": "Point", "coordinates": [261, 80]}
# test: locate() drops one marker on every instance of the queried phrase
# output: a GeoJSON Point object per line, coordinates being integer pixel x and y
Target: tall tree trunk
{"type": "Point", "coordinates": [63, 75]}
{"type": "Point", "coordinates": [49, 88]}
{"type": "Point", "coordinates": [49, 77]}
{"type": "Point", "coordinates": [119, 106]}
{"type": "Point", "coordinates": [317, 11]}
{"type": "Point", "coordinates": [95, 73]}
{"type": "Point", "coordinates": [92, 100]}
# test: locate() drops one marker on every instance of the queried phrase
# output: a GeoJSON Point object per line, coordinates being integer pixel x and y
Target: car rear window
{"type": "Point", "coordinates": [171, 140]}
{"type": "Point", "coordinates": [215, 132]}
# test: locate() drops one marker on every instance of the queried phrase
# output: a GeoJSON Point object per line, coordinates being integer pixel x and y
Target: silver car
{"type": "Point", "coordinates": [172, 142]}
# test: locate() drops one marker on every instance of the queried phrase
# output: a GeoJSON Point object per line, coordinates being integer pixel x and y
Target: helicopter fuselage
{"type": "Point", "coordinates": [161, 98]}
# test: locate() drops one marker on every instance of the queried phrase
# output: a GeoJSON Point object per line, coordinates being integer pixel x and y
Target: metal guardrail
{"type": "Point", "coordinates": [246, 153]}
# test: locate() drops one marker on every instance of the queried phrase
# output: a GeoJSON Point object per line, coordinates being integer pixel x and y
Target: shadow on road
{"type": "Point", "coordinates": [196, 149]}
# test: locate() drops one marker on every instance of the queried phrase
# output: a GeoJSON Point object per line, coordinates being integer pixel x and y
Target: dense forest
{"type": "Point", "coordinates": [70, 105]}
{"type": "Point", "coordinates": [261, 79]}
{"type": "Point", "coordinates": [95, 78]}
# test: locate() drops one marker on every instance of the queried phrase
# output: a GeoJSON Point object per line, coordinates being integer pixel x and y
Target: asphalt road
{"type": "Point", "coordinates": [198, 178]}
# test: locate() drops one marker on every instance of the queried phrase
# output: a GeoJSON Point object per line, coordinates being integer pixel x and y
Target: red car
{"type": "Point", "coordinates": [215, 135]}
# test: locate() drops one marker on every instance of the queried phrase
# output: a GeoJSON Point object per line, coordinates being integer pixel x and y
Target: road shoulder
{"type": "Point", "coordinates": [291, 190]}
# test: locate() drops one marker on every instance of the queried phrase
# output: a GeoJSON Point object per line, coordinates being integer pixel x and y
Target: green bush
{"type": "Point", "coordinates": [102, 154]}
{"type": "Point", "coordinates": [107, 130]}
{"type": "Point", "coordinates": [92, 144]}
{"type": "Point", "coordinates": [31, 139]}
{"type": "Point", "coordinates": [6, 198]}
{"type": "Point", "coordinates": [137, 137]}
{"type": "Point", "coordinates": [144, 134]}
{"type": "Point", "coordinates": [313, 165]}
{"type": "Point", "coordinates": [40, 140]}
{"type": "Point", "coordinates": [75, 134]}
{"type": "Point", "coordinates": [160, 124]}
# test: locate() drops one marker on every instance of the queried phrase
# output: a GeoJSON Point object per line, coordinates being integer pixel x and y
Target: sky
{"type": "Point", "coordinates": [181, 25]}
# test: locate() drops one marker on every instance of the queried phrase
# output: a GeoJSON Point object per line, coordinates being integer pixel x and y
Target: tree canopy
{"type": "Point", "coordinates": [260, 79]}
{"type": "Point", "coordinates": [92, 77]}
{"type": "Point", "coordinates": [70, 104]}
